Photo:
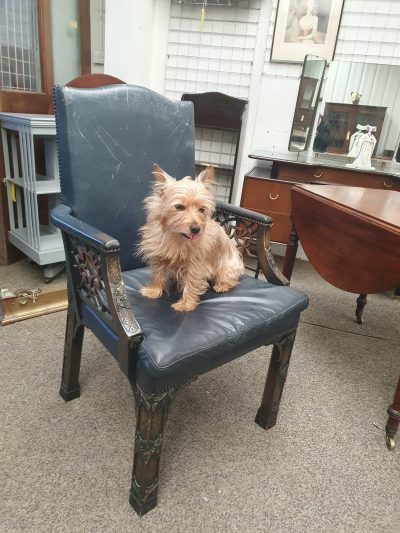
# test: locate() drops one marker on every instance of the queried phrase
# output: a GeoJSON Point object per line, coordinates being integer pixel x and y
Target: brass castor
{"type": "Point", "coordinates": [390, 442]}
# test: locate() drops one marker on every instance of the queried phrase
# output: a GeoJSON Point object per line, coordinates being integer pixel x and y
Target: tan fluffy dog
{"type": "Point", "coordinates": [181, 243]}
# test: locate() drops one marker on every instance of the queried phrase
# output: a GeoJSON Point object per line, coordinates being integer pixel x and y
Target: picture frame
{"type": "Point", "coordinates": [306, 27]}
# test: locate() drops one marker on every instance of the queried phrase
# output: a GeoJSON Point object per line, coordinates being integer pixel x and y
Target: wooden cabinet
{"type": "Point", "coordinates": [268, 191]}
{"type": "Point", "coordinates": [341, 121]}
{"type": "Point", "coordinates": [270, 197]}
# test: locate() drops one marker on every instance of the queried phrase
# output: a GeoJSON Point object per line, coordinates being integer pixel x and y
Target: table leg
{"type": "Point", "coordinates": [290, 254]}
{"type": "Point", "coordinates": [394, 419]}
{"type": "Point", "coordinates": [361, 303]}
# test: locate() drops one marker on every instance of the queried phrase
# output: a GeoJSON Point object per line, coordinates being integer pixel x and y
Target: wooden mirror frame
{"type": "Point", "coordinates": [306, 115]}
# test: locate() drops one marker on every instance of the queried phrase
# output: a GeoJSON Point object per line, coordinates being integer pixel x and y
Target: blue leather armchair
{"type": "Point", "coordinates": [108, 139]}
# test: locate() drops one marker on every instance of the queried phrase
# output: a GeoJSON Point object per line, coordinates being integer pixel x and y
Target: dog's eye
{"type": "Point", "coordinates": [202, 209]}
{"type": "Point", "coordinates": [180, 207]}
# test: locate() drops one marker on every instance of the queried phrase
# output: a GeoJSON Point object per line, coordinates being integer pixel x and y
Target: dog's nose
{"type": "Point", "coordinates": [194, 229]}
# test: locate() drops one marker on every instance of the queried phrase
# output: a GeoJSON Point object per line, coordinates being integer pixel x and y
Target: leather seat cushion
{"type": "Point", "coordinates": [177, 346]}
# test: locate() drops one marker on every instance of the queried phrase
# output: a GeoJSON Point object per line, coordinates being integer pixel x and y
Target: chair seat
{"type": "Point", "coordinates": [222, 328]}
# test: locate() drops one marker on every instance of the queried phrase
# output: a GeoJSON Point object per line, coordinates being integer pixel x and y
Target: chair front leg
{"type": "Point", "coordinates": [69, 389]}
{"type": "Point", "coordinates": [276, 377]}
{"type": "Point", "coordinates": [151, 414]}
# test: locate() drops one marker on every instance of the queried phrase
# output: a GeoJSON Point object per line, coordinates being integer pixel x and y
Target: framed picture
{"type": "Point", "coordinates": [306, 27]}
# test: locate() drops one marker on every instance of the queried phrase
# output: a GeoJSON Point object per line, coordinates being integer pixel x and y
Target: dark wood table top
{"type": "Point", "coordinates": [380, 205]}
{"type": "Point", "coordinates": [351, 235]}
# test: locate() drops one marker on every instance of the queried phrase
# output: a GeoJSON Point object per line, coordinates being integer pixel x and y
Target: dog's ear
{"type": "Point", "coordinates": [207, 176]}
{"type": "Point", "coordinates": [160, 175]}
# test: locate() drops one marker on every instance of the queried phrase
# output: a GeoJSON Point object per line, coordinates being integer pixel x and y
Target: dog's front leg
{"type": "Point", "coordinates": [193, 288]}
{"type": "Point", "coordinates": [157, 286]}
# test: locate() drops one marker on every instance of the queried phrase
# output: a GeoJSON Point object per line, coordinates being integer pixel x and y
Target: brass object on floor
{"type": "Point", "coordinates": [28, 303]}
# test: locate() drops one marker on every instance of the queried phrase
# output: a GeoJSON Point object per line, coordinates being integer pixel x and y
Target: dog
{"type": "Point", "coordinates": [181, 242]}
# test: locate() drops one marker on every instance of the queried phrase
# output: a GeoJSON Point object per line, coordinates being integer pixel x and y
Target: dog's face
{"type": "Point", "coordinates": [182, 207]}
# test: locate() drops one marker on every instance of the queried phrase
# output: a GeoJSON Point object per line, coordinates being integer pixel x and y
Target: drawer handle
{"type": "Point", "coordinates": [273, 197]}
{"type": "Point", "coordinates": [317, 175]}
{"type": "Point", "coordinates": [387, 186]}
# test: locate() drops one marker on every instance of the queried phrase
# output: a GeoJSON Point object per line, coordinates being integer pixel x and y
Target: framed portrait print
{"type": "Point", "coordinates": [306, 27]}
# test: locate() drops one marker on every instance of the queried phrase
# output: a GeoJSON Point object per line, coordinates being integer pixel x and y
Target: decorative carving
{"type": "Point", "coordinates": [252, 239]}
{"type": "Point", "coordinates": [88, 263]}
{"type": "Point", "coordinates": [243, 231]}
{"type": "Point", "coordinates": [148, 448]}
{"type": "Point", "coordinates": [151, 413]}
{"type": "Point", "coordinates": [100, 283]}
{"type": "Point", "coordinates": [119, 296]}
{"type": "Point", "coordinates": [276, 378]}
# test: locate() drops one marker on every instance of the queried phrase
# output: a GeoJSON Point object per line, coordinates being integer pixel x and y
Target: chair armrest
{"type": "Point", "coordinates": [94, 274]}
{"type": "Point", "coordinates": [251, 230]}
{"type": "Point", "coordinates": [62, 218]}
{"type": "Point", "coordinates": [244, 214]}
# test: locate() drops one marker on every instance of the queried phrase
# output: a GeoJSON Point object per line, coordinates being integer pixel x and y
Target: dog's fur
{"type": "Point", "coordinates": [181, 243]}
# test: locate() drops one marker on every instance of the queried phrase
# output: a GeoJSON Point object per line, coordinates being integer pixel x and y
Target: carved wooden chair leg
{"type": "Point", "coordinates": [69, 389]}
{"type": "Point", "coordinates": [151, 413]}
{"type": "Point", "coordinates": [393, 419]}
{"type": "Point", "coordinates": [290, 253]}
{"type": "Point", "coordinates": [361, 303]}
{"type": "Point", "coordinates": [276, 377]}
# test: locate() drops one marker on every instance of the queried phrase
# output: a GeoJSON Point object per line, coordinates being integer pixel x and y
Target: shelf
{"type": "Point", "coordinates": [51, 245]}
{"type": "Point", "coordinates": [16, 181]}
{"type": "Point", "coordinates": [45, 186]}
{"type": "Point", "coordinates": [216, 166]}
{"type": "Point", "coordinates": [43, 244]}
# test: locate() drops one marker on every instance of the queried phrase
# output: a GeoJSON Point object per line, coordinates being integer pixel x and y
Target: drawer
{"type": "Point", "coordinates": [316, 174]}
{"type": "Point", "coordinates": [266, 195]}
{"type": "Point", "coordinates": [301, 173]}
{"type": "Point", "coordinates": [281, 227]}
{"type": "Point", "coordinates": [390, 183]}
{"type": "Point", "coordinates": [357, 178]}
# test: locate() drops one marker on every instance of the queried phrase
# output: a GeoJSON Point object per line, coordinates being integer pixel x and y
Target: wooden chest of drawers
{"type": "Point", "coordinates": [268, 191]}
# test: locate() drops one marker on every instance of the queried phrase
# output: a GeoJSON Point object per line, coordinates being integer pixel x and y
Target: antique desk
{"type": "Point", "coordinates": [351, 236]}
{"type": "Point", "coordinates": [266, 189]}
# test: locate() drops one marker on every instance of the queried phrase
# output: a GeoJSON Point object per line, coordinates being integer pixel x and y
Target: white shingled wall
{"type": "Point", "coordinates": [216, 55]}
{"type": "Point", "coordinates": [231, 55]}
{"type": "Point", "coordinates": [369, 32]}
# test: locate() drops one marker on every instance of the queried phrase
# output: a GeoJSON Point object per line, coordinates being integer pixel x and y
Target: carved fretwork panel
{"type": "Point", "coordinates": [96, 276]}
{"type": "Point", "coordinates": [244, 232]}
{"type": "Point", "coordinates": [87, 261]}
{"type": "Point", "coordinates": [252, 240]}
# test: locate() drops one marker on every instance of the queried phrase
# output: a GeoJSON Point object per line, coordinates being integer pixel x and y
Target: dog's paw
{"type": "Point", "coordinates": [223, 287]}
{"type": "Point", "coordinates": [183, 305]}
{"type": "Point", "coordinates": [151, 292]}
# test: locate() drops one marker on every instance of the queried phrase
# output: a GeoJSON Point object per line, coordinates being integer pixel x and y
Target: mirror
{"type": "Point", "coordinates": [307, 101]}
{"type": "Point", "coordinates": [358, 95]}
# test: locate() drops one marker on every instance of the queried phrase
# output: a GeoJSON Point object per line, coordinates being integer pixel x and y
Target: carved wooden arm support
{"type": "Point", "coordinates": [94, 271]}
{"type": "Point", "coordinates": [251, 232]}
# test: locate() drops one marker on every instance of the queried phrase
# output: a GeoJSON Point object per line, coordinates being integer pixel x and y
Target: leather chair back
{"type": "Point", "coordinates": [108, 140]}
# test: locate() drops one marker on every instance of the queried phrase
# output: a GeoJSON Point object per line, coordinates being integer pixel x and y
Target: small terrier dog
{"type": "Point", "coordinates": [182, 244]}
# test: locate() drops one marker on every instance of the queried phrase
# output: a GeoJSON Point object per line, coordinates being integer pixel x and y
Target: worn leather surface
{"type": "Point", "coordinates": [177, 345]}
{"type": "Point", "coordinates": [108, 139]}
